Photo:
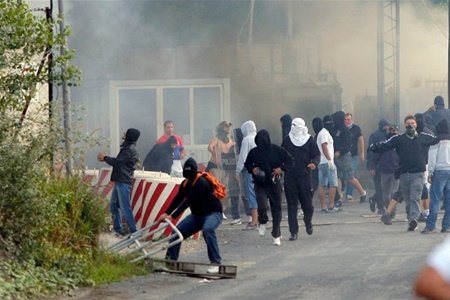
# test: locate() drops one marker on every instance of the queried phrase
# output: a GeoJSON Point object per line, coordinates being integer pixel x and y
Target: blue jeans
{"type": "Point", "coordinates": [355, 164]}
{"type": "Point", "coordinates": [120, 204]}
{"type": "Point", "coordinates": [440, 185]}
{"type": "Point", "coordinates": [192, 224]}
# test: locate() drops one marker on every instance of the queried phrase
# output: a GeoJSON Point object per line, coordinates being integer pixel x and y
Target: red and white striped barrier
{"type": "Point", "coordinates": [151, 195]}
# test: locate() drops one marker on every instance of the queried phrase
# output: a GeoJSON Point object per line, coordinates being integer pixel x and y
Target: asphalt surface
{"type": "Point", "coordinates": [351, 255]}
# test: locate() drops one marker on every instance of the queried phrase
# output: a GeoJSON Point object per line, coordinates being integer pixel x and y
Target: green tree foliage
{"type": "Point", "coordinates": [49, 223]}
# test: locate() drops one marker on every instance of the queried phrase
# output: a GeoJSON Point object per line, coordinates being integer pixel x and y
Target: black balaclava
{"type": "Point", "coordinates": [420, 122]}
{"type": "Point", "coordinates": [262, 140]}
{"type": "Point", "coordinates": [132, 135]}
{"type": "Point", "coordinates": [328, 123]}
{"type": "Point", "coordinates": [339, 119]}
{"type": "Point", "coordinates": [317, 125]}
{"type": "Point", "coordinates": [190, 169]}
{"type": "Point", "coordinates": [286, 123]}
{"type": "Point", "coordinates": [168, 144]}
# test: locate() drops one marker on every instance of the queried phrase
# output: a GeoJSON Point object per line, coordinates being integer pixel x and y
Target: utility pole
{"type": "Point", "coordinates": [66, 97]}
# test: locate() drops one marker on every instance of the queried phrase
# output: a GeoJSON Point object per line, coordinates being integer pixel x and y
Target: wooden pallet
{"type": "Point", "coordinates": [192, 269]}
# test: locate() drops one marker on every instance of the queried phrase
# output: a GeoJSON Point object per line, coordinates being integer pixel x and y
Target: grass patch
{"type": "Point", "coordinates": [107, 267]}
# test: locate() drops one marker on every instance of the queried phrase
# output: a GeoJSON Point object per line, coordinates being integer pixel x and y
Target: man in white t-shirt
{"type": "Point", "coordinates": [433, 281]}
{"type": "Point", "coordinates": [327, 169]}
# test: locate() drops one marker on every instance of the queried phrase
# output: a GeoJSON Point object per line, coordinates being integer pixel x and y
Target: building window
{"type": "Point", "coordinates": [195, 107]}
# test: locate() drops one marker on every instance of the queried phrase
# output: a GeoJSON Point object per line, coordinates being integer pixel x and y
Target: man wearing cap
{"type": "Point", "coordinates": [122, 175]}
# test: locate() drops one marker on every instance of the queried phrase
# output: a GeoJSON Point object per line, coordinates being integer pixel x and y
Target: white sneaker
{"type": "Point", "coordinates": [213, 270]}
{"type": "Point", "coordinates": [262, 229]}
{"type": "Point", "coordinates": [250, 219]}
{"type": "Point", "coordinates": [277, 241]}
{"type": "Point", "coordinates": [224, 217]}
{"type": "Point", "coordinates": [236, 222]}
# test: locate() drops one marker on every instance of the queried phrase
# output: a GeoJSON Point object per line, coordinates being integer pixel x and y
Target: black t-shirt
{"type": "Point", "coordinates": [355, 133]}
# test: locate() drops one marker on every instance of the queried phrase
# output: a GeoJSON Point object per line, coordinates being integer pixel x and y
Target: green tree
{"type": "Point", "coordinates": [49, 223]}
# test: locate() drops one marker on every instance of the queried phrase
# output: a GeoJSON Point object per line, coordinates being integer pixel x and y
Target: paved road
{"type": "Point", "coordinates": [351, 255]}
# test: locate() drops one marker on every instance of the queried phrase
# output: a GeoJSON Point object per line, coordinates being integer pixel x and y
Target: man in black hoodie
{"type": "Point", "coordinates": [206, 213]}
{"type": "Point", "coordinates": [266, 162]}
{"type": "Point", "coordinates": [122, 175]}
{"type": "Point", "coordinates": [377, 136]}
{"type": "Point", "coordinates": [160, 157]}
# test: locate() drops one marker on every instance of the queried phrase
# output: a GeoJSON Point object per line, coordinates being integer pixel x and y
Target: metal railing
{"type": "Point", "coordinates": [148, 247]}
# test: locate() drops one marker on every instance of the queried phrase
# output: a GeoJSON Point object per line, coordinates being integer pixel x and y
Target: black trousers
{"type": "Point", "coordinates": [298, 189]}
{"type": "Point", "coordinates": [271, 191]}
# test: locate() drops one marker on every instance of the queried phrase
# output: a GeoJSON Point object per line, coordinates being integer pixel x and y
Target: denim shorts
{"type": "Point", "coordinates": [327, 176]}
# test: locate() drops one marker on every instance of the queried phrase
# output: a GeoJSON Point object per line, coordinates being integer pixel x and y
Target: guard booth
{"type": "Point", "coordinates": [195, 107]}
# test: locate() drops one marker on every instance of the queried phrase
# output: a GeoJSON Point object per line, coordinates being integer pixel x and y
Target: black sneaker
{"type": "Point", "coordinates": [293, 237]}
{"type": "Point", "coordinates": [386, 219]}
{"type": "Point", "coordinates": [372, 204]}
{"type": "Point", "coordinates": [412, 226]}
{"type": "Point", "coordinates": [309, 229]}
{"type": "Point", "coordinates": [422, 218]}
{"type": "Point", "coordinates": [333, 209]}
{"type": "Point", "coordinates": [338, 203]}
{"type": "Point", "coordinates": [445, 230]}
{"type": "Point", "coordinates": [381, 211]}
{"type": "Point", "coordinates": [363, 198]}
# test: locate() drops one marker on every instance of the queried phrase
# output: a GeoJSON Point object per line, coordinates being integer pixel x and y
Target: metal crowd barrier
{"type": "Point", "coordinates": [147, 247]}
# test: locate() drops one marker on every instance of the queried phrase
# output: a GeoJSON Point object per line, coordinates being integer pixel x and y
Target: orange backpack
{"type": "Point", "coordinates": [219, 190]}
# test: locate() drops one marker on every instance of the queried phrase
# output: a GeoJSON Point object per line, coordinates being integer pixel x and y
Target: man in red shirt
{"type": "Point", "coordinates": [178, 153]}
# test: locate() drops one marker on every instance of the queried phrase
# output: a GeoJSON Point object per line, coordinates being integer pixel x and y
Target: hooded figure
{"type": "Point", "coordinates": [437, 113]}
{"type": "Point", "coordinates": [272, 159]}
{"type": "Point", "coordinates": [132, 135]}
{"type": "Point", "coordinates": [317, 125]}
{"type": "Point", "coordinates": [297, 182]}
{"type": "Point", "coordinates": [205, 213]}
{"type": "Point", "coordinates": [248, 130]}
{"type": "Point", "coordinates": [160, 157]}
{"type": "Point", "coordinates": [122, 174]}
{"type": "Point", "coordinates": [190, 169]}
{"type": "Point", "coordinates": [299, 132]}
{"type": "Point", "coordinates": [286, 121]}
